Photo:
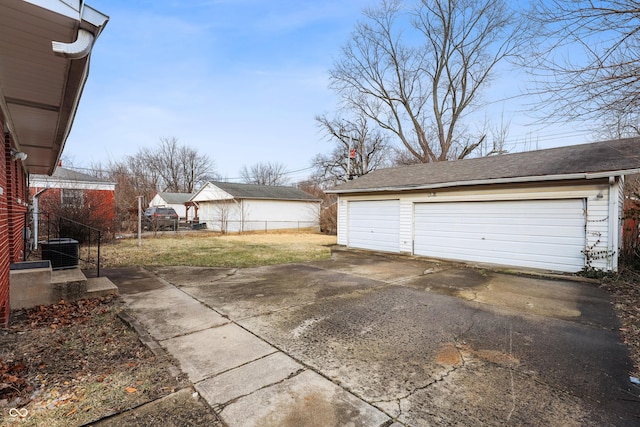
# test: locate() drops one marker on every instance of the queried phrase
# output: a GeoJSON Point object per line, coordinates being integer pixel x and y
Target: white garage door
{"type": "Point", "coordinates": [375, 225]}
{"type": "Point", "coordinates": [548, 234]}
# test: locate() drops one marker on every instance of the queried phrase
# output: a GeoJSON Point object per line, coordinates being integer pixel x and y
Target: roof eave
{"type": "Point", "coordinates": [513, 180]}
{"type": "Point", "coordinates": [43, 154]}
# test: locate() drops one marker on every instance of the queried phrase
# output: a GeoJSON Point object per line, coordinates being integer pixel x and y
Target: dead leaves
{"type": "Point", "coordinates": [66, 313]}
{"type": "Point", "coordinates": [82, 369]}
{"type": "Point", "coordinates": [625, 297]}
{"type": "Point", "coordinates": [12, 381]}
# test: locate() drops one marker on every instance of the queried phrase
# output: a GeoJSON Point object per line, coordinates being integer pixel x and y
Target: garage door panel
{"type": "Point", "coordinates": [549, 237]}
{"type": "Point", "coordinates": [463, 246]}
{"type": "Point", "coordinates": [375, 225]}
{"type": "Point", "coordinates": [556, 262]}
{"type": "Point", "coordinates": [546, 234]}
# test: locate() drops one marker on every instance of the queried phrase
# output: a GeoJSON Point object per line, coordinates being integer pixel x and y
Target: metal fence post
{"type": "Point", "coordinates": [99, 240]}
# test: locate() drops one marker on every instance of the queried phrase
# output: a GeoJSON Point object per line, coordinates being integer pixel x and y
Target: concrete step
{"type": "Point", "coordinates": [68, 284]}
{"type": "Point", "coordinates": [30, 287]}
{"type": "Point", "coordinates": [100, 287]}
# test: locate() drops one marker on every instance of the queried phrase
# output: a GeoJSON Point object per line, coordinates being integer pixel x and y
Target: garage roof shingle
{"type": "Point", "coordinates": [272, 192]}
{"type": "Point", "coordinates": [622, 155]}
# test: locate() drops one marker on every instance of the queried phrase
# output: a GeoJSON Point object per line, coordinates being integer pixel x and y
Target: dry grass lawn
{"type": "Point", "coordinates": [205, 249]}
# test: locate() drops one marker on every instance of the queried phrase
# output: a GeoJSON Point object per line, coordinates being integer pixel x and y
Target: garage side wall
{"type": "Point", "coordinates": [259, 215]}
{"type": "Point", "coordinates": [343, 215]}
{"type": "Point", "coordinates": [222, 215]}
{"type": "Point", "coordinates": [594, 195]}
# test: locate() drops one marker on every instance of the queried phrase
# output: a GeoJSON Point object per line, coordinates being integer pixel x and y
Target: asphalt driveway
{"type": "Point", "coordinates": [425, 343]}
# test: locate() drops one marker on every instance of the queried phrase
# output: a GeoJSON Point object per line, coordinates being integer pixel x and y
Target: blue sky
{"type": "Point", "coordinates": [238, 80]}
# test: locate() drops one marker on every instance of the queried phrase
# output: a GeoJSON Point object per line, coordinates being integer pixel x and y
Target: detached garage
{"type": "Point", "coordinates": [558, 209]}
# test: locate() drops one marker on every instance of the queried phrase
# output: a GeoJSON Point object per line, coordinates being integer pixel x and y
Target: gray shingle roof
{"type": "Point", "coordinates": [562, 162]}
{"type": "Point", "coordinates": [176, 198]}
{"type": "Point", "coordinates": [273, 192]}
{"type": "Point", "coordinates": [69, 175]}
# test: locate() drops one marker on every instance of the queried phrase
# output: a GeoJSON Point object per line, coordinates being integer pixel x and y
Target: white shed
{"type": "Point", "coordinates": [558, 209]}
{"type": "Point", "coordinates": [232, 207]}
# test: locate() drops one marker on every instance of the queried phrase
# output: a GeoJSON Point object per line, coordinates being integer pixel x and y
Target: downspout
{"type": "Point", "coordinates": [36, 216]}
{"type": "Point", "coordinates": [76, 50]}
{"type": "Point", "coordinates": [612, 240]}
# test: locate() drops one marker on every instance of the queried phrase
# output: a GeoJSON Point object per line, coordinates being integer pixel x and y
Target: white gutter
{"type": "Point", "coordinates": [76, 50]}
{"type": "Point", "coordinates": [519, 179]}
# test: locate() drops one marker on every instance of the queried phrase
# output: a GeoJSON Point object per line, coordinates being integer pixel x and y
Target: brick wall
{"type": "Point", "coordinates": [13, 208]}
{"type": "Point", "coordinates": [5, 257]}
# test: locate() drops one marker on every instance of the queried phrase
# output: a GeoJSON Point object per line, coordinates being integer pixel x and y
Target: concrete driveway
{"type": "Point", "coordinates": [419, 342]}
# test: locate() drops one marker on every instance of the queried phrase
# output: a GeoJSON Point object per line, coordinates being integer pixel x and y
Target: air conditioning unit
{"type": "Point", "coordinates": [62, 252]}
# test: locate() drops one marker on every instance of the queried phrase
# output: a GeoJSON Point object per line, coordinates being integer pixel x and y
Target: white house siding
{"type": "Point", "coordinates": [219, 216]}
{"type": "Point", "coordinates": [210, 192]}
{"type": "Point", "coordinates": [595, 193]}
{"type": "Point", "coordinates": [342, 222]}
{"type": "Point", "coordinates": [621, 213]}
{"type": "Point", "coordinates": [597, 231]}
{"type": "Point", "coordinates": [279, 214]}
{"type": "Point", "coordinates": [259, 215]}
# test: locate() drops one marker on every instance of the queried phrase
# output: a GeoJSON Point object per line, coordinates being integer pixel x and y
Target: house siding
{"type": "Point", "coordinates": [343, 215]}
{"type": "Point", "coordinates": [219, 216]}
{"type": "Point", "coordinates": [98, 200]}
{"type": "Point", "coordinates": [595, 194]}
{"type": "Point", "coordinates": [4, 230]}
{"type": "Point", "coordinates": [13, 208]}
{"type": "Point", "coordinates": [259, 215]}
{"type": "Point", "coordinates": [621, 219]}
{"type": "Point", "coordinates": [597, 231]}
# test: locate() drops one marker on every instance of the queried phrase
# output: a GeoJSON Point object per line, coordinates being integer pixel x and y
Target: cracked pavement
{"type": "Point", "coordinates": [430, 343]}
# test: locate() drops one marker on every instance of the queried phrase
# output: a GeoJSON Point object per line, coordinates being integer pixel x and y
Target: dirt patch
{"type": "Point", "coordinates": [292, 238]}
{"type": "Point", "coordinates": [213, 250]}
{"type": "Point", "coordinates": [448, 355]}
{"type": "Point", "coordinates": [625, 296]}
{"type": "Point", "coordinates": [69, 364]}
{"type": "Point", "coordinates": [182, 408]}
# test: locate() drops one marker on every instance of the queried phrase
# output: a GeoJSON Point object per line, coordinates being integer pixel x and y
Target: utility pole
{"type": "Point", "coordinates": [139, 220]}
{"type": "Point", "coordinates": [351, 156]}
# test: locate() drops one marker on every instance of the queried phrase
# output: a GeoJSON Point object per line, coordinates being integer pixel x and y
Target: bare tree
{"type": "Point", "coordinates": [328, 207]}
{"type": "Point", "coordinates": [358, 150]}
{"type": "Point", "coordinates": [169, 167]}
{"type": "Point", "coordinates": [265, 173]}
{"type": "Point", "coordinates": [132, 180]}
{"type": "Point", "coordinates": [180, 168]}
{"type": "Point", "coordinates": [618, 124]}
{"type": "Point", "coordinates": [418, 85]}
{"type": "Point", "coordinates": [586, 58]}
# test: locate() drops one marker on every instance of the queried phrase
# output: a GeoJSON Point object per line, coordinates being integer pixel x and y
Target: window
{"type": "Point", "coordinates": [71, 197]}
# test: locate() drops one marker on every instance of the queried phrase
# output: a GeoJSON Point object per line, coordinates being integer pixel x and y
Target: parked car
{"type": "Point", "coordinates": [158, 218]}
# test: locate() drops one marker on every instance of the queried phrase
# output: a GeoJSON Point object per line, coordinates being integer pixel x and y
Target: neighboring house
{"type": "Point", "coordinates": [44, 63]}
{"type": "Point", "coordinates": [69, 188]}
{"type": "Point", "coordinates": [556, 209]}
{"type": "Point", "coordinates": [178, 201]}
{"type": "Point", "coordinates": [231, 207]}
